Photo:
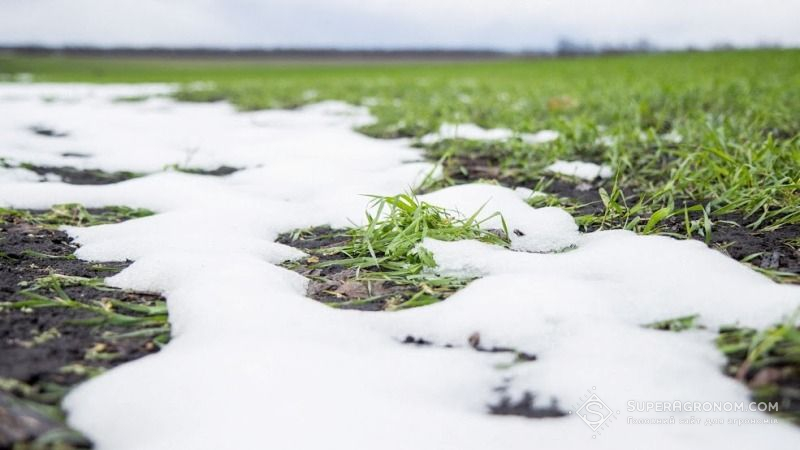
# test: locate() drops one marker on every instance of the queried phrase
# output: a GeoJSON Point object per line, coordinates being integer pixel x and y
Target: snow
{"type": "Point", "coordinates": [168, 133]}
{"type": "Point", "coordinates": [253, 363]}
{"type": "Point", "coordinates": [540, 137]}
{"type": "Point", "coordinates": [531, 230]}
{"type": "Point", "coordinates": [673, 137]}
{"type": "Point", "coordinates": [474, 132]}
{"type": "Point", "coordinates": [20, 174]}
{"type": "Point", "coordinates": [580, 169]}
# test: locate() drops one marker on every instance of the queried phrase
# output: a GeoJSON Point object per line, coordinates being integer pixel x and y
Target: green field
{"type": "Point", "coordinates": [731, 180]}
{"type": "Point", "coordinates": [738, 163]}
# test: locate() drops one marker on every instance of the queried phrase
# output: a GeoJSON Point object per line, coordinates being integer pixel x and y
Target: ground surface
{"type": "Point", "coordinates": [700, 146]}
{"type": "Point", "coordinates": [59, 324]}
{"type": "Point", "coordinates": [714, 131]}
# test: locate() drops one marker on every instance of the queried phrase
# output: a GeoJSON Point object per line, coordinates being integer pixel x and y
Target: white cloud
{"type": "Point", "coordinates": [511, 24]}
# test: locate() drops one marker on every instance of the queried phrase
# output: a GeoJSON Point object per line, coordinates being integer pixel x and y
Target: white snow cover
{"type": "Point", "coordinates": [672, 137]}
{"type": "Point", "coordinates": [581, 169]}
{"type": "Point", "coordinates": [253, 363]}
{"type": "Point", "coordinates": [20, 174]}
{"type": "Point", "coordinates": [531, 230]}
{"type": "Point", "coordinates": [476, 133]}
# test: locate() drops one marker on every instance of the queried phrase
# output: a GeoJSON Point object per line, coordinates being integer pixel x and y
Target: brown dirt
{"type": "Point", "coordinates": [339, 286]}
{"type": "Point", "coordinates": [45, 351]}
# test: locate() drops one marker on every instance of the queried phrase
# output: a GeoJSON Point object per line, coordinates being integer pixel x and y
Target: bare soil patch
{"type": "Point", "coordinates": [46, 348]}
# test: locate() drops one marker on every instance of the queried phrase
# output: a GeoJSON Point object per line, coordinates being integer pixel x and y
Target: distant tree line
{"type": "Point", "coordinates": [569, 47]}
{"type": "Point", "coordinates": [269, 53]}
{"type": "Point", "coordinates": [565, 47]}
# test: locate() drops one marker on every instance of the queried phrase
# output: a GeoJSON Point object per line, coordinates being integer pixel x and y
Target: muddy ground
{"type": "Point", "coordinates": [48, 344]}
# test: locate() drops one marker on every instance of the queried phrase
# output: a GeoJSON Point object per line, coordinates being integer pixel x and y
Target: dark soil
{"type": "Point", "coordinates": [474, 166]}
{"type": "Point", "coordinates": [420, 342]}
{"type": "Point", "coordinates": [46, 350]}
{"type": "Point", "coordinates": [524, 407]}
{"type": "Point", "coordinates": [337, 285]}
{"type": "Point", "coordinates": [775, 377]}
{"type": "Point", "coordinates": [72, 175]}
{"type": "Point", "coordinates": [741, 242]}
{"type": "Point", "coordinates": [470, 168]}
{"type": "Point", "coordinates": [505, 406]}
{"type": "Point", "coordinates": [474, 341]}
{"type": "Point", "coordinates": [729, 233]}
{"type": "Point", "coordinates": [340, 287]}
{"type": "Point", "coordinates": [48, 132]}
{"type": "Point", "coordinates": [584, 193]}
{"type": "Point", "coordinates": [732, 237]}
{"type": "Point", "coordinates": [220, 171]}
{"type": "Point", "coordinates": [75, 155]}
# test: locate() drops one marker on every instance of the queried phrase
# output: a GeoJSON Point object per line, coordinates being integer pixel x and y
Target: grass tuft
{"type": "Point", "coordinates": [391, 240]}
{"type": "Point", "coordinates": [768, 361]}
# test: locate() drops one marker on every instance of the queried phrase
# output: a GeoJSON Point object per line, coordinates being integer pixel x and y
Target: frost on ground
{"type": "Point", "coordinates": [253, 363]}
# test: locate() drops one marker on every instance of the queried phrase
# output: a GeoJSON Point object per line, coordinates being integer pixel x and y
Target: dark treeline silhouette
{"type": "Point", "coordinates": [567, 47]}
{"type": "Point", "coordinates": [564, 48]}
{"type": "Point", "coordinates": [265, 53]}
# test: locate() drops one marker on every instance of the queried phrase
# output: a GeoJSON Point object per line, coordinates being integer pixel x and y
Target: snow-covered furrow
{"type": "Point", "coordinates": [253, 363]}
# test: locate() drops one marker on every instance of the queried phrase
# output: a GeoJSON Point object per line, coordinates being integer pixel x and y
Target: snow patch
{"type": "Point", "coordinates": [474, 132]}
{"type": "Point", "coordinates": [580, 169]}
{"type": "Point", "coordinates": [530, 230]}
{"type": "Point", "coordinates": [254, 363]}
{"type": "Point", "coordinates": [17, 174]}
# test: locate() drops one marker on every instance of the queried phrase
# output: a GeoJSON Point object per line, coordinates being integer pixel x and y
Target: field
{"type": "Point", "coordinates": [734, 114]}
{"type": "Point", "coordinates": [687, 146]}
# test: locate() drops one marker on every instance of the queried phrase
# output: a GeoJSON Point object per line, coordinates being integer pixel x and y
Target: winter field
{"type": "Point", "coordinates": [571, 253]}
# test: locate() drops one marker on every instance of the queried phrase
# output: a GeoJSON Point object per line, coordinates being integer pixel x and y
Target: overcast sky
{"type": "Point", "coordinates": [502, 24]}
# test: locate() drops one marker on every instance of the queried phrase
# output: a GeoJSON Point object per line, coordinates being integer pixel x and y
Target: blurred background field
{"type": "Point", "coordinates": [699, 136]}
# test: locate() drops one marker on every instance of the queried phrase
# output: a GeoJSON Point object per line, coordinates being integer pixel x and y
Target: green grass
{"type": "Point", "coordinates": [738, 159]}
{"type": "Point", "coordinates": [43, 399]}
{"type": "Point", "coordinates": [99, 325]}
{"type": "Point", "coordinates": [768, 361]}
{"type": "Point", "coordinates": [396, 226]}
{"type": "Point", "coordinates": [49, 292]}
{"type": "Point", "coordinates": [676, 324]}
{"type": "Point", "coordinates": [388, 248]}
{"type": "Point", "coordinates": [74, 214]}
{"type": "Point", "coordinates": [736, 111]}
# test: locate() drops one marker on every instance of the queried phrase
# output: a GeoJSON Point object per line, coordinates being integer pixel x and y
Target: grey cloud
{"type": "Point", "coordinates": [508, 24]}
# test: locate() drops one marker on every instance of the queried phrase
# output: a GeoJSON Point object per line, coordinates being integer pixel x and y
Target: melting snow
{"type": "Point", "coordinates": [253, 363]}
{"type": "Point", "coordinates": [476, 133]}
{"type": "Point", "coordinates": [531, 230]}
{"type": "Point", "coordinates": [580, 169]}
{"type": "Point", "coordinates": [20, 174]}
{"type": "Point", "coordinates": [673, 137]}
